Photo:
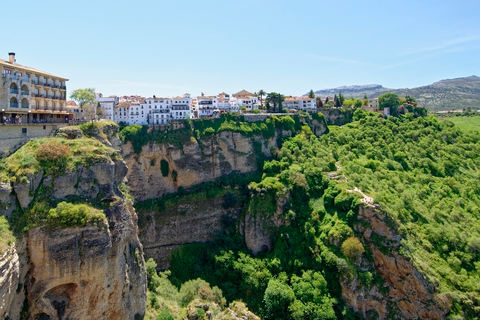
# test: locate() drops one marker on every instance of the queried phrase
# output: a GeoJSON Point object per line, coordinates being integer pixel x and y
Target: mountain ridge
{"type": "Point", "coordinates": [445, 94]}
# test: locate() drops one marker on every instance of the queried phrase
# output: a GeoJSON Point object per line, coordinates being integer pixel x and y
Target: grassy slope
{"type": "Point", "coordinates": [466, 123]}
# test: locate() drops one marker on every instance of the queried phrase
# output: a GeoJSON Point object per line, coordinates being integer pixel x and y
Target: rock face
{"type": "Point", "coordinates": [258, 229]}
{"type": "Point", "coordinates": [87, 273]}
{"type": "Point", "coordinates": [196, 162]}
{"type": "Point", "coordinates": [189, 221]}
{"type": "Point", "coordinates": [336, 116]}
{"type": "Point", "coordinates": [408, 294]}
{"type": "Point", "coordinates": [90, 272]}
{"type": "Point", "coordinates": [13, 269]}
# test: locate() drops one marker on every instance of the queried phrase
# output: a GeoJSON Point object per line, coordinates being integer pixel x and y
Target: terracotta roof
{"type": "Point", "coordinates": [242, 94]}
{"type": "Point", "coordinates": [72, 103]}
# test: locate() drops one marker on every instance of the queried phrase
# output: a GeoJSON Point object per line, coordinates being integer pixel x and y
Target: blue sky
{"type": "Point", "coordinates": [166, 48]}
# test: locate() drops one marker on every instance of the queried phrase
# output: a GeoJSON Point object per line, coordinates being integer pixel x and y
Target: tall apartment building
{"type": "Point", "coordinates": [28, 95]}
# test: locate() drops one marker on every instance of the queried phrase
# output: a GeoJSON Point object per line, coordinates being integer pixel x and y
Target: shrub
{"type": "Point", "coordinates": [164, 167]}
{"type": "Point", "coordinates": [52, 155]}
{"type": "Point", "coordinates": [73, 215]}
{"type": "Point", "coordinates": [352, 248]}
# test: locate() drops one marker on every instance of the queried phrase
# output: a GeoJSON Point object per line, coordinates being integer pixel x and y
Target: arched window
{"type": "Point", "coordinates": [25, 91]}
{"type": "Point", "coordinates": [25, 103]}
{"type": "Point", "coordinates": [13, 88]}
{"type": "Point", "coordinates": [13, 103]}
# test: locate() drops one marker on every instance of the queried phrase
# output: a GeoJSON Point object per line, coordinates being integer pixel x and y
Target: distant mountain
{"type": "Point", "coordinates": [356, 91]}
{"type": "Point", "coordinates": [447, 94]}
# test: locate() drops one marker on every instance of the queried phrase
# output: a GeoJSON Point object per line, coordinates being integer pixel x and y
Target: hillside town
{"type": "Point", "coordinates": [32, 96]}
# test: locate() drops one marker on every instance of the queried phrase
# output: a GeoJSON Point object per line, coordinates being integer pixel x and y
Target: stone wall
{"type": "Point", "coordinates": [14, 136]}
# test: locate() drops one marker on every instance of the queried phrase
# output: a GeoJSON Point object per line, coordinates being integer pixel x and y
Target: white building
{"type": "Point", "coordinates": [121, 112]}
{"type": "Point", "coordinates": [207, 106]}
{"type": "Point", "coordinates": [290, 103]}
{"type": "Point", "coordinates": [181, 107]}
{"type": "Point", "coordinates": [247, 100]}
{"type": "Point", "coordinates": [138, 113]}
{"type": "Point", "coordinates": [107, 105]}
{"type": "Point", "coordinates": [308, 104]}
{"type": "Point", "coordinates": [158, 110]}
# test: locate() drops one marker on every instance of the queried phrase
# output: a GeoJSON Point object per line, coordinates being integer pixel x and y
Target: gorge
{"type": "Point", "coordinates": [216, 202]}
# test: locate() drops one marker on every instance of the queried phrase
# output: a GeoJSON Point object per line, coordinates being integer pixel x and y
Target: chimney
{"type": "Point", "coordinates": [11, 57]}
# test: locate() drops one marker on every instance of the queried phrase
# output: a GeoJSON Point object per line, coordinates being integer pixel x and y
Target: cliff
{"type": "Point", "coordinates": [195, 162]}
{"type": "Point", "coordinates": [405, 294]}
{"type": "Point", "coordinates": [80, 257]}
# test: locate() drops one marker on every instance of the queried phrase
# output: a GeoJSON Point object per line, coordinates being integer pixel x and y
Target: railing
{"type": "Point", "coordinates": [25, 105]}
{"type": "Point", "coordinates": [25, 92]}
{"type": "Point", "coordinates": [38, 95]}
{"type": "Point", "coordinates": [13, 104]}
{"type": "Point", "coordinates": [14, 91]}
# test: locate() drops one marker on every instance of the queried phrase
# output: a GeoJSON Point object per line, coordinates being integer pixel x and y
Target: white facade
{"type": "Point", "coordinates": [307, 104]}
{"type": "Point", "coordinates": [207, 105]}
{"type": "Point", "coordinates": [107, 105]}
{"type": "Point", "coordinates": [138, 114]}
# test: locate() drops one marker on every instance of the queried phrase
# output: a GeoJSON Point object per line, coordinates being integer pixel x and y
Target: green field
{"type": "Point", "coordinates": [466, 123]}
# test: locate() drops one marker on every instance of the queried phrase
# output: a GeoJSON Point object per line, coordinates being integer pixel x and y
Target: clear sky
{"type": "Point", "coordinates": [167, 48]}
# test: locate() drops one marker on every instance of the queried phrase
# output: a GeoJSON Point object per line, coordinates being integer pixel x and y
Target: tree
{"type": "Point", "coordinates": [277, 299]}
{"type": "Point", "coordinates": [90, 111]}
{"type": "Point", "coordinates": [311, 94]}
{"type": "Point", "coordinates": [357, 103]}
{"type": "Point", "coordinates": [86, 101]}
{"type": "Point", "coordinates": [411, 101]}
{"type": "Point", "coordinates": [84, 96]}
{"type": "Point", "coordinates": [319, 102]}
{"type": "Point", "coordinates": [389, 100]}
{"type": "Point", "coordinates": [352, 248]}
{"type": "Point", "coordinates": [261, 93]}
{"type": "Point", "coordinates": [276, 99]}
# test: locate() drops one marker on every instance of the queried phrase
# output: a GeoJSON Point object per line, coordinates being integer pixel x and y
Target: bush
{"type": "Point", "coordinates": [352, 248]}
{"type": "Point", "coordinates": [164, 167]}
{"type": "Point", "coordinates": [74, 215]}
{"type": "Point", "coordinates": [53, 155]}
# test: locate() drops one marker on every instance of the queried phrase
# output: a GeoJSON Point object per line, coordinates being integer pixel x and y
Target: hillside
{"type": "Point", "coordinates": [450, 94]}
{"type": "Point", "coordinates": [326, 251]}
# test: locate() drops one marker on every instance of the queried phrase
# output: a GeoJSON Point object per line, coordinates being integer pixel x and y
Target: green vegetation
{"type": "Point", "coordinates": [470, 123]}
{"type": "Point", "coordinates": [6, 235]}
{"type": "Point", "coordinates": [166, 301]}
{"type": "Point", "coordinates": [74, 215]}
{"type": "Point", "coordinates": [54, 156]}
{"type": "Point", "coordinates": [424, 173]}
{"type": "Point", "coordinates": [140, 136]}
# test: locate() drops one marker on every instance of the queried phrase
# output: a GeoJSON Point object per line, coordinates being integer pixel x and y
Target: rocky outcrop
{"type": "Point", "coordinates": [406, 294]}
{"type": "Point", "coordinates": [194, 163]}
{"type": "Point", "coordinates": [258, 228]}
{"type": "Point", "coordinates": [92, 272]}
{"type": "Point", "coordinates": [337, 116]}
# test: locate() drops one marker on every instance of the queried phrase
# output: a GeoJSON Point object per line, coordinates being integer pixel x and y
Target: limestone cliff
{"type": "Point", "coordinates": [89, 271]}
{"type": "Point", "coordinates": [406, 294]}
{"type": "Point", "coordinates": [92, 272]}
{"type": "Point", "coordinates": [196, 162]}
{"type": "Point", "coordinates": [190, 220]}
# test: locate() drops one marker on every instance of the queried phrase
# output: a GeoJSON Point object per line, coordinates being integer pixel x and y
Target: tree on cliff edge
{"type": "Point", "coordinates": [86, 100]}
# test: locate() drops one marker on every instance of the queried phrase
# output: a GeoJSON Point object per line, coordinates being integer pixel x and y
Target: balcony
{"type": "Point", "coordinates": [13, 104]}
{"type": "Point", "coordinates": [38, 95]}
{"type": "Point", "coordinates": [34, 81]}
{"type": "Point", "coordinates": [14, 91]}
{"type": "Point", "coordinates": [25, 105]}
{"type": "Point", "coordinates": [25, 92]}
